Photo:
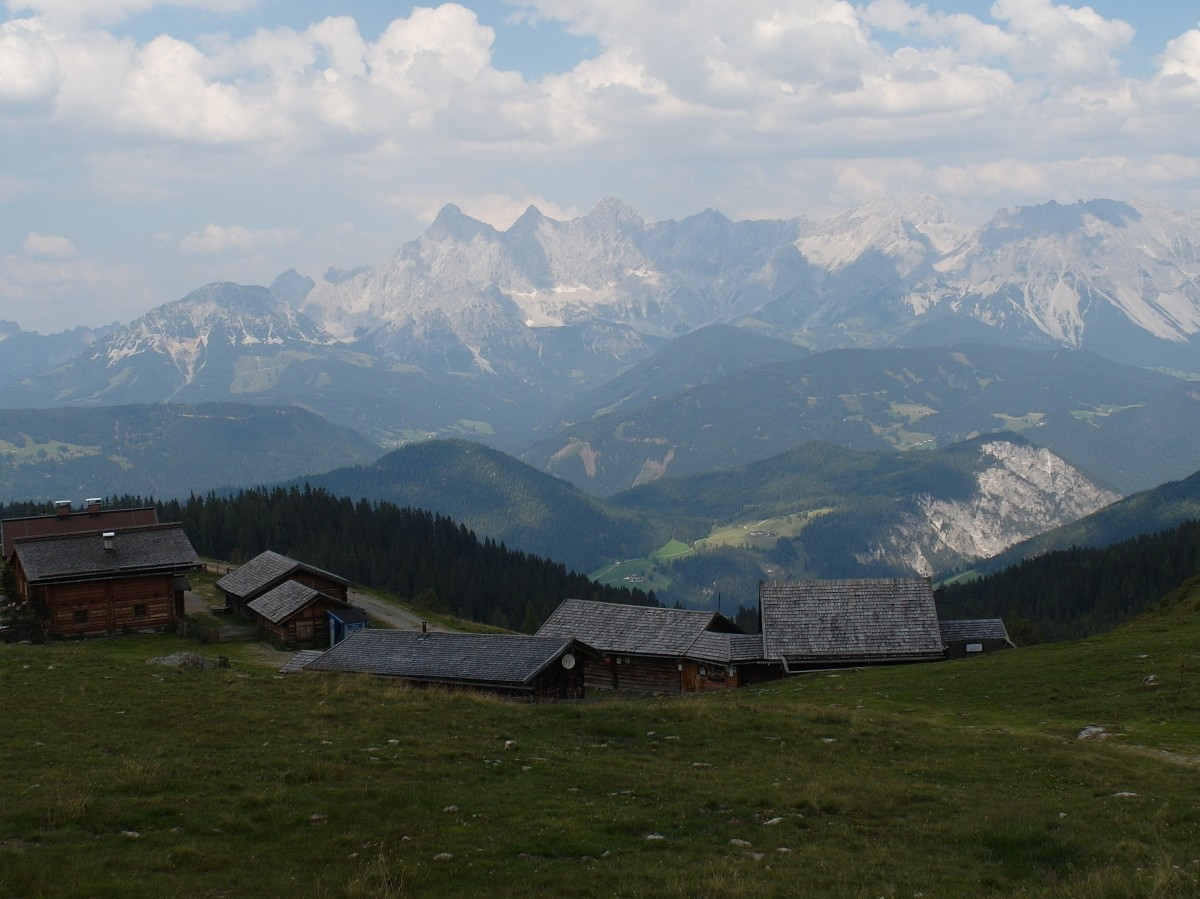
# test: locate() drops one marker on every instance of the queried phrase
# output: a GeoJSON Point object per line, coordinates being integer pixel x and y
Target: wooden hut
{"type": "Point", "coordinates": [835, 623]}
{"type": "Point", "coordinates": [974, 636]}
{"type": "Point", "coordinates": [647, 649]}
{"type": "Point", "coordinates": [516, 665]}
{"type": "Point", "coordinates": [295, 615]}
{"type": "Point", "coordinates": [91, 584]}
{"type": "Point", "coordinates": [268, 570]}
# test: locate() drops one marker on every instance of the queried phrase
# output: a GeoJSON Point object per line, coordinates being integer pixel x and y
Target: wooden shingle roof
{"type": "Point", "coordinates": [266, 570]}
{"type": "Point", "coordinates": [77, 522]}
{"type": "Point", "coordinates": [969, 630]}
{"type": "Point", "coordinates": [848, 621]}
{"type": "Point", "coordinates": [162, 548]}
{"type": "Point", "coordinates": [497, 660]}
{"type": "Point", "coordinates": [632, 630]}
{"type": "Point", "coordinates": [280, 603]}
{"type": "Point", "coordinates": [727, 649]}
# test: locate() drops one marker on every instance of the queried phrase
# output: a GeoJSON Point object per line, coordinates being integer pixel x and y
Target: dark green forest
{"type": "Point", "coordinates": [427, 559]}
{"type": "Point", "coordinates": [1079, 592]}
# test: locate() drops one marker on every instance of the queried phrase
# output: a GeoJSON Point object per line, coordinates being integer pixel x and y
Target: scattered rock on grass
{"type": "Point", "coordinates": [1092, 732]}
{"type": "Point", "coordinates": [183, 660]}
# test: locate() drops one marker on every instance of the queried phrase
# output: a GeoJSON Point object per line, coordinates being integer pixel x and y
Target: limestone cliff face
{"type": "Point", "coordinates": [1023, 491]}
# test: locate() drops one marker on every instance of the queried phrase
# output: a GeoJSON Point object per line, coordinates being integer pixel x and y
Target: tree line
{"type": "Point", "coordinates": [1078, 592]}
{"type": "Point", "coordinates": [422, 557]}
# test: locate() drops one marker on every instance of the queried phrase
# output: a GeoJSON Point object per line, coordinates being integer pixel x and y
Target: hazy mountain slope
{"type": "Point", "coordinates": [26, 352]}
{"type": "Point", "coordinates": [886, 512]}
{"type": "Point", "coordinates": [472, 331]}
{"type": "Point", "coordinates": [699, 357]}
{"type": "Point", "coordinates": [166, 451]}
{"type": "Point", "coordinates": [875, 513]}
{"type": "Point", "coordinates": [862, 399]}
{"type": "Point", "coordinates": [1148, 512]}
{"type": "Point", "coordinates": [1134, 447]}
{"type": "Point", "coordinates": [232, 342]}
{"type": "Point", "coordinates": [501, 498]}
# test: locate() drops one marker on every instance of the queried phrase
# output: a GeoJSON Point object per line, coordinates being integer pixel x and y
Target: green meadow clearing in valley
{"type": "Point", "coordinates": [963, 778]}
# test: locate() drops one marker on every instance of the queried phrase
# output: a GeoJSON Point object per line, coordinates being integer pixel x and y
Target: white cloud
{"type": "Point", "coordinates": [47, 245]}
{"type": "Point", "coordinates": [51, 295]}
{"type": "Point", "coordinates": [236, 238]}
{"type": "Point", "coordinates": [29, 70]}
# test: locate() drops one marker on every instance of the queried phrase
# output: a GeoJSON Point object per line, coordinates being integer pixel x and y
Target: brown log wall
{"type": "Point", "coordinates": [639, 675]}
{"type": "Point", "coordinates": [109, 605]}
{"type": "Point", "coordinates": [715, 677]}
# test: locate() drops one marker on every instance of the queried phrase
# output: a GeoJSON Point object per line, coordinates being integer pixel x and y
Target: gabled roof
{"type": "Point", "coordinates": [876, 620]}
{"type": "Point", "coordinates": [12, 529]}
{"type": "Point", "coordinates": [636, 630]}
{"type": "Point", "coordinates": [281, 603]}
{"type": "Point", "coordinates": [969, 630]}
{"type": "Point", "coordinates": [265, 571]}
{"type": "Point", "coordinates": [501, 660]}
{"type": "Point", "coordinates": [157, 549]}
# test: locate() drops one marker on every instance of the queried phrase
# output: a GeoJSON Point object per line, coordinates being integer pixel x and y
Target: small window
{"type": "Point", "coordinates": [81, 616]}
{"type": "Point", "coordinates": [139, 610]}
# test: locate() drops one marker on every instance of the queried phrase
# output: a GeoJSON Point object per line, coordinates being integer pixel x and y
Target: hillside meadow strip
{"type": "Point", "coordinates": [967, 778]}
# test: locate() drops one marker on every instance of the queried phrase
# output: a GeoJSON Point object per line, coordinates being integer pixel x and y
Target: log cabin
{"type": "Point", "coordinates": [268, 570]}
{"type": "Point", "coordinates": [292, 614]}
{"type": "Point", "coordinates": [93, 584]}
{"type": "Point", "coordinates": [646, 649]}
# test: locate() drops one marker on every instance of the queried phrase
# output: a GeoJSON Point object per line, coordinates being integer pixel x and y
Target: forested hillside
{"type": "Point", "coordinates": [439, 565]}
{"type": "Point", "coordinates": [426, 558]}
{"type": "Point", "coordinates": [1081, 591]}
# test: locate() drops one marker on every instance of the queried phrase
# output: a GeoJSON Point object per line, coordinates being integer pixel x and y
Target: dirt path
{"type": "Point", "coordinates": [391, 613]}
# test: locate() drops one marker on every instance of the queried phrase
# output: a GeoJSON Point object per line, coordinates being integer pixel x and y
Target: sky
{"type": "Point", "coordinates": [149, 147]}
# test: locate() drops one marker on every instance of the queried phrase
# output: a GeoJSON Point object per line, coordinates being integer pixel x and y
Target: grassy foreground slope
{"type": "Point", "coordinates": [961, 778]}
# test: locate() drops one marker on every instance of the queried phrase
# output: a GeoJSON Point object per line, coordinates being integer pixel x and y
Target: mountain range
{"type": "Point", "coordinates": [649, 361]}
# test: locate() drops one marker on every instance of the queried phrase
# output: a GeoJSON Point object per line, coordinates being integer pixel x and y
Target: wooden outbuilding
{"type": "Point", "coordinates": [974, 636]}
{"type": "Point", "coordinates": [512, 664]}
{"type": "Point", "coordinates": [268, 570]}
{"type": "Point", "coordinates": [112, 582]}
{"type": "Point", "coordinates": [295, 615]}
{"type": "Point", "coordinates": [647, 649]}
{"type": "Point", "coordinates": [810, 625]}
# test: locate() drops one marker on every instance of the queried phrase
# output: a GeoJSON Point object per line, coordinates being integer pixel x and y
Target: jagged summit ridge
{"type": "Point", "coordinates": [230, 314]}
{"type": "Point", "coordinates": [1101, 274]}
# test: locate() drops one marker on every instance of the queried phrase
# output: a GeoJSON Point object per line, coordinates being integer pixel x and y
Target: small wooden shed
{"type": "Point", "coordinates": [268, 570]}
{"type": "Point", "coordinates": [513, 664]}
{"type": "Point", "coordinates": [974, 636]}
{"type": "Point", "coordinates": [296, 615]}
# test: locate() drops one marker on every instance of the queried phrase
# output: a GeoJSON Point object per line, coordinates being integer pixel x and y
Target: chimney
{"type": "Point", "coordinates": [62, 507]}
{"type": "Point", "coordinates": [92, 505]}
{"type": "Point", "coordinates": [109, 536]}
